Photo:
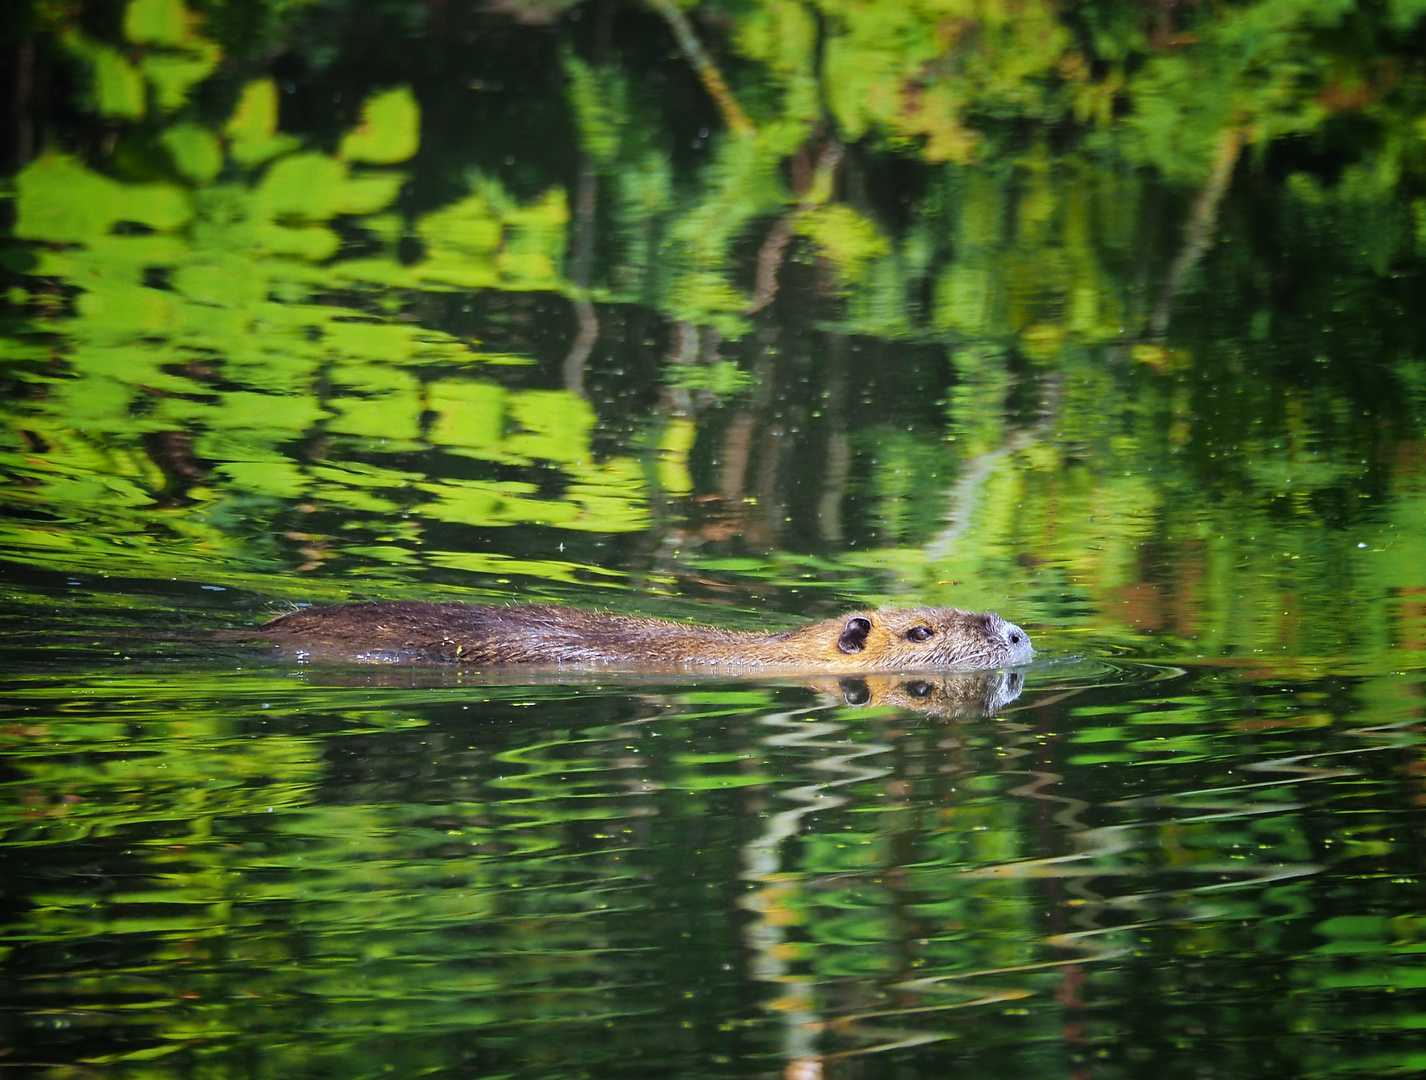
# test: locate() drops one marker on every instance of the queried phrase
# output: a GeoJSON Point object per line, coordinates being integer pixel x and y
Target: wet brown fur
{"type": "Point", "coordinates": [550, 636]}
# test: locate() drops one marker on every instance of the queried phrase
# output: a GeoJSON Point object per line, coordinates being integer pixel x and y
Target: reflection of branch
{"type": "Point", "coordinates": [966, 491]}
{"type": "Point", "coordinates": [738, 440]}
{"type": "Point", "coordinates": [815, 189]}
{"type": "Point", "coordinates": [702, 63]}
{"type": "Point", "coordinates": [778, 898]}
{"type": "Point", "coordinates": [1200, 227]}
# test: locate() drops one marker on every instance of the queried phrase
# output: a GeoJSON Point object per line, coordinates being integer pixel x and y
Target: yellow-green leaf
{"type": "Point", "coordinates": [60, 200]}
{"type": "Point", "coordinates": [307, 185]}
{"type": "Point", "coordinates": [252, 129]}
{"type": "Point", "coordinates": [174, 74]}
{"type": "Point", "coordinates": [157, 22]}
{"type": "Point", "coordinates": [390, 129]}
{"type": "Point", "coordinates": [369, 193]}
{"type": "Point", "coordinates": [194, 151]}
{"type": "Point", "coordinates": [118, 86]}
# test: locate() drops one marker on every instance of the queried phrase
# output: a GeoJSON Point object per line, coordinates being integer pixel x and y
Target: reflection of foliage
{"type": "Point", "coordinates": [196, 322]}
{"type": "Point", "coordinates": [227, 361]}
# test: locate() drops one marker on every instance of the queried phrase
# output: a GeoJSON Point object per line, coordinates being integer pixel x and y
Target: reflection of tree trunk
{"type": "Point", "coordinates": [769, 262]}
{"type": "Point", "coordinates": [738, 442]}
{"type": "Point", "coordinates": [1199, 231]}
{"type": "Point", "coordinates": [586, 203]}
{"type": "Point", "coordinates": [24, 92]}
{"type": "Point", "coordinates": [765, 528]}
{"type": "Point", "coordinates": [582, 347]}
{"type": "Point", "coordinates": [737, 450]}
{"type": "Point", "coordinates": [172, 452]}
{"type": "Point", "coordinates": [703, 64]}
{"type": "Point", "coordinates": [839, 445]}
{"type": "Point", "coordinates": [677, 399]}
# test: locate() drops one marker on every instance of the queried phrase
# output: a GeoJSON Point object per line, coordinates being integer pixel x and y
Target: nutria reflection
{"type": "Point", "coordinates": [551, 636]}
{"type": "Point", "coordinates": [982, 693]}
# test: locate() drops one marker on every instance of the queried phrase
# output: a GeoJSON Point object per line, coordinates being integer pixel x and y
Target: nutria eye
{"type": "Point", "coordinates": [919, 633]}
{"type": "Point", "coordinates": [1015, 637]}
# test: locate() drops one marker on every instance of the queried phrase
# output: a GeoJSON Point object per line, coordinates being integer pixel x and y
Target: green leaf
{"type": "Point", "coordinates": [389, 132]}
{"type": "Point", "coordinates": [252, 129]}
{"type": "Point", "coordinates": [157, 22]}
{"type": "Point", "coordinates": [307, 185]}
{"type": "Point", "coordinates": [369, 193]}
{"type": "Point", "coordinates": [846, 238]}
{"type": "Point", "coordinates": [468, 414]}
{"type": "Point", "coordinates": [280, 479]}
{"type": "Point", "coordinates": [61, 200]}
{"type": "Point", "coordinates": [118, 86]}
{"type": "Point", "coordinates": [396, 417]}
{"type": "Point", "coordinates": [173, 75]}
{"type": "Point", "coordinates": [194, 150]}
{"type": "Point", "coordinates": [312, 243]}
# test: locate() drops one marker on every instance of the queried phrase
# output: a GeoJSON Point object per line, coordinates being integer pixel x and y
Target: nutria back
{"type": "Point", "coordinates": [551, 636]}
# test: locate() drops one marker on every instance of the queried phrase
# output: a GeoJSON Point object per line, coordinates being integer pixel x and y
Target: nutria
{"type": "Point", "coordinates": [894, 639]}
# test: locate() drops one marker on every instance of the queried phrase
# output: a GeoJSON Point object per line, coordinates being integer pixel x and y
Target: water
{"type": "Point", "coordinates": [411, 302]}
{"type": "Point", "coordinates": [248, 866]}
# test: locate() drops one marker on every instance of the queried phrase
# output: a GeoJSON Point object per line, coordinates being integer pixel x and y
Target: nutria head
{"type": "Point", "coordinates": [927, 639]}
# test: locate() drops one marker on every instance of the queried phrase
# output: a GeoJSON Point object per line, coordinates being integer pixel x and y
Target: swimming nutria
{"type": "Point", "coordinates": [894, 639]}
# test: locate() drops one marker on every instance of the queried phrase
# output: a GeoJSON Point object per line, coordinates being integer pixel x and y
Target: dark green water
{"type": "Point", "coordinates": [1103, 316]}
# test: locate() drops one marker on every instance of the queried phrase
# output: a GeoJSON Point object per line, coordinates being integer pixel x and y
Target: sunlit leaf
{"type": "Point", "coordinates": [846, 238]}
{"type": "Point", "coordinates": [173, 75]}
{"type": "Point", "coordinates": [369, 192]}
{"type": "Point", "coordinates": [118, 87]}
{"type": "Point", "coordinates": [307, 185]}
{"type": "Point", "coordinates": [389, 131]}
{"type": "Point", "coordinates": [674, 447]}
{"type": "Point", "coordinates": [391, 416]}
{"type": "Point", "coordinates": [252, 129]}
{"type": "Point", "coordinates": [157, 22]}
{"type": "Point", "coordinates": [556, 425]}
{"type": "Point", "coordinates": [195, 151]}
{"type": "Point", "coordinates": [468, 413]}
{"type": "Point", "coordinates": [311, 242]}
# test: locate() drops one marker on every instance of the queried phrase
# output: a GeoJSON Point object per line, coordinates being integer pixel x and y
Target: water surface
{"type": "Point", "coordinates": [331, 302]}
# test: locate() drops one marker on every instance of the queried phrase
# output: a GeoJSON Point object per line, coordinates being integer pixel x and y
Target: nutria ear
{"type": "Point", "coordinates": [854, 634]}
